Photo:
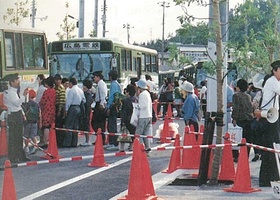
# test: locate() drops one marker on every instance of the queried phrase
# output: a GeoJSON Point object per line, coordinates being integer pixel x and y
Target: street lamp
{"type": "Point", "coordinates": [164, 5]}
{"type": "Point", "coordinates": [77, 24]}
{"type": "Point", "coordinates": [127, 26]}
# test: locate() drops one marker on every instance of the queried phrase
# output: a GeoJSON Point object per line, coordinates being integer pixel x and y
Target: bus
{"type": "Point", "coordinates": [24, 52]}
{"type": "Point", "coordinates": [81, 57]}
{"type": "Point", "coordinates": [172, 74]}
{"type": "Point", "coordinates": [195, 73]}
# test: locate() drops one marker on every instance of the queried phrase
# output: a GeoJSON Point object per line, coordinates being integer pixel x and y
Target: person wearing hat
{"type": "Point", "coordinates": [15, 119]}
{"type": "Point", "coordinates": [144, 126]}
{"type": "Point", "coordinates": [99, 116]}
{"type": "Point", "coordinates": [191, 105]}
{"type": "Point", "coordinates": [33, 121]}
{"type": "Point", "coordinates": [113, 111]}
{"type": "Point", "coordinates": [270, 98]}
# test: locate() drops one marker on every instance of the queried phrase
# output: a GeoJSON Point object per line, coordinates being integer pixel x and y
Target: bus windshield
{"type": "Point", "coordinates": [80, 66]}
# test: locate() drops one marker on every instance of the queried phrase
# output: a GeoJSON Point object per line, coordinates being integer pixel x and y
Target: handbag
{"type": "Point", "coordinates": [123, 138]}
{"type": "Point", "coordinates": [135, 114]}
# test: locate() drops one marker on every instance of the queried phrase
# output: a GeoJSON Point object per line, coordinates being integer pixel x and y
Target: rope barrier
{"type": "Point", "coordinates": [263, 148]}
{"type": "Point", "coordinates": [75, 158]}
{"type": "Point", "coordinates": [113, 134]}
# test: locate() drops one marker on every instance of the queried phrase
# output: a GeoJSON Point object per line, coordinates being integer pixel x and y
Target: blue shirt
{"type": "Point", "coordinates": [190, 107]}
{"type": "Point", "coordinates": [114, 87]}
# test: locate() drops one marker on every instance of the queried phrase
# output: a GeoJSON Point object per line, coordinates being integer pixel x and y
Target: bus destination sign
{"type": "Point", "coordinates": [81, 46]}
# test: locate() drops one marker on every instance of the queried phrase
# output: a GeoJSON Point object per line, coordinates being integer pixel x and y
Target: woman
{"type": "Point", "coordinates": [191, 105]}
{"type": "Point", "coordinates": [270, 98]}
{"type": "Point", "coordinates": [47, 105]}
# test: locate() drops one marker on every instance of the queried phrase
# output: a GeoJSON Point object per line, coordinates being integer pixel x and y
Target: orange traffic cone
{"type": "Point", "coordinates": [169, 111]}
{"type": "Point", "coordinates": [165, 133]}
{"type": "Point", "coordinates": [52, 147]}
{"type": "Point", "coordinates": [8, 191]}
{"type": "Point", "coordinates": [140, 182]}
{"type": "Point", "coordinates": [242, 181]}
{"type": "Point", "coordinates": [191, 157]}
{"type": "Point", "coordinates": [3, 140]}
{"type": "Point", "coordinates": [98, 154]}
{"type": "Point", "coordinates": [227, 166]}
{"type": "Point", "coordinates": [175, 160]}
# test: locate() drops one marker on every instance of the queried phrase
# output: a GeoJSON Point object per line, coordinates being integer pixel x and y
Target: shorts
{"type": "Point", "coordinates": [30, 130]}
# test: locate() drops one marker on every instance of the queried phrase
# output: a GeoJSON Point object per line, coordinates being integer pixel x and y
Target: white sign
{"type": "Point", "coordinates": [81, 46]}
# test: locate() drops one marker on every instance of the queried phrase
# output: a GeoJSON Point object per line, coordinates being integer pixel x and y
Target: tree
{"type": "Point", "coordinates": [216, 34]}
{"type": "Point", "coordinates": [15, 15]}
{"type": "Point", "coordinates": [67, 28]}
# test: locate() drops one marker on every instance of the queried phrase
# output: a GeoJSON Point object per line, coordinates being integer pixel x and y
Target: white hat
{"type": "Point", "coordinates": [187, 86]}
{"type": "Point", "coordinates": [142, 84]}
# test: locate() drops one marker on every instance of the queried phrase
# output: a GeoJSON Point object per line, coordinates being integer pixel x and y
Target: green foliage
{"type": "Point", "coordinates": [66, 27]}
{"type": "Point", "coordinates": [15, 15]}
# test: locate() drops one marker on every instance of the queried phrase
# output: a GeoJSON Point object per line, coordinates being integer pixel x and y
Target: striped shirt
{"type": "Point", "coordinates": [60, 97]}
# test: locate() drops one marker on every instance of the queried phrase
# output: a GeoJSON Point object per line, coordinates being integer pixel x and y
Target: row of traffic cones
{"type": "Point", "coordinates": [242, 179]}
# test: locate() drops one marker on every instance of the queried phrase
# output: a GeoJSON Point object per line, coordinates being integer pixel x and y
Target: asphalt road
{"type": "Point", "coordinates": [75, 180]}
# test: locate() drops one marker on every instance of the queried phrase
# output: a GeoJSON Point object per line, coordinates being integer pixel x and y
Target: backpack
{"type": "Point", "coordinates": [31, 112]}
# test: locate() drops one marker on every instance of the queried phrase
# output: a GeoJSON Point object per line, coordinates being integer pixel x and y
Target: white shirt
{"type": "Point", "coordinates": [145, 104]}
{"type": "Point", "coordinates": [152, 86]}
{"type": "Point", "coordinates": [40, 93]}
{"type": "Point", "coordinates": [203, 91]}
{"type": "Point", "coordinates": [101, 92]}
{"type": "Point", "coordinates": [271, 87]}
{"type": "Point", "coordinates": [74, 97]}
{"type": "Point", "coordinates": [12, 101]}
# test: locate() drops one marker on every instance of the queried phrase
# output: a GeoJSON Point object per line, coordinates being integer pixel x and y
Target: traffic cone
{"type": "Point", "coordinates": [227, 172]}
{"type": "Point", "coordinates": [165, 133]}
{"type": "Point", "coordinates": [242, 181]}
{"type": "Point", "coordinates": [140, 184]}
{"type": "Point", "coordinates": [175, 160]}
{"type": "Point", "coordinates": [98, 154]}
{"type": "Point", "coordinates": [191, 157]}
{"type": "Point", "coordinates": [8, 191]}
{"type": "Point", "coordinates": [3, 140]}
{"type": "Point", "coordinates": [52, 147]}
{"type": "Point", "coordinates": [169, 111]}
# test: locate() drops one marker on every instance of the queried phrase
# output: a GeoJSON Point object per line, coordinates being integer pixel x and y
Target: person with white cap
{"type": "Point", "coordinates": [191, 105]}
{"type": "Point", "coordinates": [144, 126]}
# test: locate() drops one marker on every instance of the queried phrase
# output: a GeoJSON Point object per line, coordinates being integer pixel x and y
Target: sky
{"type": "Point", "coordinates": [144, 16]}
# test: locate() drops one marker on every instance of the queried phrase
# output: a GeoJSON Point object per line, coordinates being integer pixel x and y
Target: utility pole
{"type": "Point", "coordinates": [127, 26]}
{"type": "Point", "coordinates": [81, 19]}
{"type": "Point", "coordinates": [104, 9]}
{"type": "Point", "coordinates": [95, 22]}
{"type": "Point", "coordinates": [33, 15]}
{"type": "Point", "coordinates": [164, 5]}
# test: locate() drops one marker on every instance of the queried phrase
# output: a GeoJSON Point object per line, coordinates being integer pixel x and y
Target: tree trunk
{"type": "Point", "coordinates": [218, 34]}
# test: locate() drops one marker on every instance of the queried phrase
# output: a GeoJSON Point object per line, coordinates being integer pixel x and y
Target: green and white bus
{"type": "Point", "coordinates": [81, 57]}
{"type": "Point", "coordinates": [24, 52]}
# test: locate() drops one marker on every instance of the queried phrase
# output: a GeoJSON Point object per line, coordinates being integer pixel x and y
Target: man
{"type": "Point", "coordinates": [144, 126]}
{"type": "Point", "coordinates": [203, 97]}
{"type": "Point", "coordinates": [74, 99]}
{"type": "Point", "coordinates": [59, 109]}
{"type": "Point", "coordinates": [113, 112]}
{"type": "Point", "coordinates": [99, 118]}
{"type": "Point", "coordinates": [15, 119]}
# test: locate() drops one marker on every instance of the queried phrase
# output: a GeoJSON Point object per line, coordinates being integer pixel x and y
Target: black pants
{"type": "Point", "coordinates": [15, 133]}
{"type": "Point", "coordinates": [112, 126]}
{"type": "Point", "coordinates": [268, 169]}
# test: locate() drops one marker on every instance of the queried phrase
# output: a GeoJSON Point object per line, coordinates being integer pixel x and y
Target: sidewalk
{"type": "Point", "coordinates": [172, 192]}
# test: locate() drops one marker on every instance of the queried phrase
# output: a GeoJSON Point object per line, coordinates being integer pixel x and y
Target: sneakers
{"type": "Point", "coordinates": [26, 149]}
{"type": "Point", "coordinates": [112, 147]}
{"type": "Point", "coordinates": [34, 150]}
{"type": "Point", "coordinates": [106, 146]}
{"type": "Point", "coordinates": [85, 144]}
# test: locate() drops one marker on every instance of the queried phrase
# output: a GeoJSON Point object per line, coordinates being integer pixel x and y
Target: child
{"type": "Point", "coordinates": [32, 118]}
